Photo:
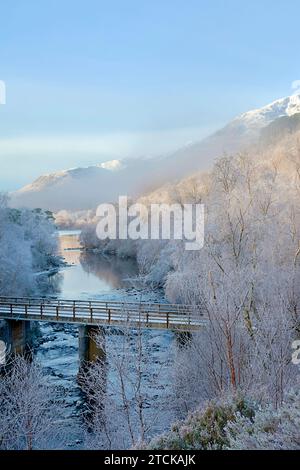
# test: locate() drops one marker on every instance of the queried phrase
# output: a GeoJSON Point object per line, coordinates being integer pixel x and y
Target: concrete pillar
{"type": "Point", "coordinates": [89, 350]}
{"type": "Point", "coordinates": [18, 336]}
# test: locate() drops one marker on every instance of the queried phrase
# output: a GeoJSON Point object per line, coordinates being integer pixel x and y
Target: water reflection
{"type": "Point", "coordinates": [90, 275]}
{"type": "Point", "coordinates": [114, 271]}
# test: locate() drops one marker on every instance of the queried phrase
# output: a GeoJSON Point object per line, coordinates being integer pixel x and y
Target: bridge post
{"type": "Point", "coordinates": [89, 348]}
{"type": "Point", "coordinates": [17, 335]}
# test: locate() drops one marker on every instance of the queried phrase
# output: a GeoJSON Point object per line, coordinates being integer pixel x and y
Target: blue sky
{"type": "Point", "coordinates": [93, 80]}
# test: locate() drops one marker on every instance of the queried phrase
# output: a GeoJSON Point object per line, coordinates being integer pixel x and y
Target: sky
{"type": "Point", "coordinates": [90, 81]}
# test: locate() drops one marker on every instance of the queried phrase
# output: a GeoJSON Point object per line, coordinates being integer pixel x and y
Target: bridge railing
{"type": "Point", "coordinates": [162, 307]}
{"type": "Point", "coordinates": [60, 310]}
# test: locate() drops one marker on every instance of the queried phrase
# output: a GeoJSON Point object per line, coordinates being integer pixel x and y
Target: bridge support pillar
{"type": "Point", "coordinates": [18, 336]}
{"type": "Point", "coordinates": [89, 348]}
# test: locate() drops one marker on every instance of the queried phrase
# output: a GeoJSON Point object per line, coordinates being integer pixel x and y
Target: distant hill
{"type": "Point", "coordinates": [85, 188]}
{"type": "Point", "coordinates": [280, 128]}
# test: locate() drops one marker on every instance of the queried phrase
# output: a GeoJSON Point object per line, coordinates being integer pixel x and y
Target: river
{"type": "Point", "coordinates": [93, 276]}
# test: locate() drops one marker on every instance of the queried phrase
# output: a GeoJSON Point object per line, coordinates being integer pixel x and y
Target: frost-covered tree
{"type": "Point", "coordinates": [30, 409]}
{"type": "Point", "coordinates": [28, 245]}
{"type": "Point", "coordinates": [246, 281]}
{"type": "Point", "coordinates": [269, 428]}
{"type": "Point", "coordinates": [235, 423]}
{"type": "Point", "coordinates": [121, 409]}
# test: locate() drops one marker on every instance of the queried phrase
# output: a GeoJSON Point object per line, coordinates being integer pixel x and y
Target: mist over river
{"type": "Point", "coordinates": [92, 276]}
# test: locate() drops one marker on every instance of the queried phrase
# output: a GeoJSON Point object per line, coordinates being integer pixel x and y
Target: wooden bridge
{"type": "Point", "coordinates": [93, 313]}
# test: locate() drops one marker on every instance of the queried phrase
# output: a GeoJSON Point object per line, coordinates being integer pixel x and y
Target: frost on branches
{"type": "Point", "coordinates": [30, 409]}
{"type": "Point", "coordinates": [27, 246]}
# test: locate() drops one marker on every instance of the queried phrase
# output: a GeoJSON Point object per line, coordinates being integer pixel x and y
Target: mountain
{"type": "Point", "coordinates": [255, 120]}
{"type": "Point", "coordinates": [84, 188]}
{"type": "Point", "coordinates": [279, 129]}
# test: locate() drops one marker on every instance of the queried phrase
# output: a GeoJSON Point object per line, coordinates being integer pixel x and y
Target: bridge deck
{"type": "Point", "coordinates": [143, 314]}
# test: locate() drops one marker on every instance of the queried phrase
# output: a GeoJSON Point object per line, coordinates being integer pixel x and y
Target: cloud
{"type": "Point", "coordinates": [296, 86]}
{"type": "Point", "coordinates": [120, 145]}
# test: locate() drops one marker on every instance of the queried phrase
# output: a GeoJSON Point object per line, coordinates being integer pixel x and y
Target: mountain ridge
{"type": "Point", "coordinates": [86, 187]}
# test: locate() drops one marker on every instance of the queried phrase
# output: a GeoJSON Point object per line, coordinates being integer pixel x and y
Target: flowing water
{"type": "Point", "coordinates": [92, 276]}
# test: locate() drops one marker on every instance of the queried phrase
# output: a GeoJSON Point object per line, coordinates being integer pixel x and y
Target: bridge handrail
{"type": "Point", "coordinates": [95, 303]}
{"type": "Point", "coordinates": [19, 308]}
{"type": "Point", "coordinates": [143, 314]}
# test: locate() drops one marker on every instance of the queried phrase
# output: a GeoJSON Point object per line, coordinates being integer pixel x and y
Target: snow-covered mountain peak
{"type": "Point", "coordinates": [112, 165]}
{"type": "Point", "coordinates": [74, 173]}
{"type": "Point", "coordinates": [44, 180]}
{"type": "Point", "coordinates": [259, 118]}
